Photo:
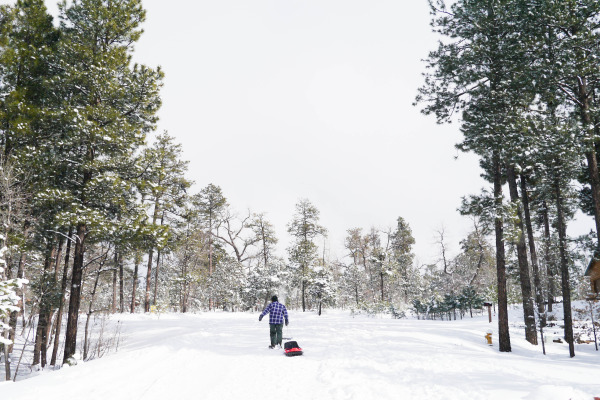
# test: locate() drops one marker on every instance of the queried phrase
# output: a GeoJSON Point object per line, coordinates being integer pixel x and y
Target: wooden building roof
{"type": "Point", "coordinates": [594, 265]}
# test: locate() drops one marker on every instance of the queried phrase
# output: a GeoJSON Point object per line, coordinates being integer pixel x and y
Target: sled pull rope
{"type": "Point", "coordinates": [289, 334]}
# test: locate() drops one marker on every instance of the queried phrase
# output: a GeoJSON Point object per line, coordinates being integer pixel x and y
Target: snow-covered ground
{"type": "Point", "coordinates": [225, 356]}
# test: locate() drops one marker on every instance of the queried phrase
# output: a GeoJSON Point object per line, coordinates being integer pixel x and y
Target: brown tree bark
{"type": "Point", "coordinates": [149, 270]}
{"type": "Point", "coordinates": [503, 332]}
{"type": "Point", "coordinates": [63, 289]}
{"type": "Point", "coordinates": [382, 296]}
{"type": "Point", "coordinates": [113, 306]}
{"type": "Point", "coordinates": [564, 268]}
{"type": "Point", "coordinates": [265, 255]}
{"type": "Point", "coordinates": [210, 254]}
{"type": "Point", "coordinates": [537, 281]}
{"type": "Point", "coordinates": [158, 254]}
{"type": "Point", "coordinates": [548, 257]}
{"type": "Point", "coordinates": [303, 289]}
{"type": "Point", "coordinates": [156, 270]}
{"type": "Point", "coordinates": [135, 280]}
{"type": "Point", "coordinates": [61, 242]}
{"type": "Point", "coordinates": [56, 261]}
{"type": "Point", "coordinates": [41, 337]}
{"type": "Point", "coordinates": [148, 280]}
{"type": "Point", "coordinates": [525, 279]}
{"type": "Point", "coordinates": [89, 314]}
{"type": "Point", "coordinates": [75, 298]}
{"type": "Point", "coordinates": [121, 284]}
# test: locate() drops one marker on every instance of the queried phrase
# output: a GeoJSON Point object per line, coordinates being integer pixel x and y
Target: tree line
{"type": "Point", "coordinates": [521, 77]}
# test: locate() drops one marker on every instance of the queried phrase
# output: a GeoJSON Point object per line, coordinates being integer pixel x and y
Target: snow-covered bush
{"type": "Point", "coordinates": [225, 285]}
{"type": "Point", "coordinates": [321, 287]}
{"type": "Point", "coordinates": [265, 281]}
{"type": "Point", "coordinates": [587, 315]}
{"type": "Point", "coordinates": [371, 309]}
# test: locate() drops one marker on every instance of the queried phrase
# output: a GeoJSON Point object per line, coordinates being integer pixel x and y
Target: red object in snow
{"type": "Point", "coordinates": [292, 349]}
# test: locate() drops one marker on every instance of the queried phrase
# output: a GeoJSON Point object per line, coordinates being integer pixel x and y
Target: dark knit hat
{"type": "Point", "coordinates": [274, 298]}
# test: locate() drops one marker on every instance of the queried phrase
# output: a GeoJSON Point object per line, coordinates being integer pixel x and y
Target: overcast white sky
{"type": "Point", "coordinates": [277, 100]}
{"type": "Point", "coordinates": [280, 100]}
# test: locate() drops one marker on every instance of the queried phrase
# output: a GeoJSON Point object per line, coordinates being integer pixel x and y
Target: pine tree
{"type": "Point", "coordinates": [29, 43]}
{"type": "Point", "coordinates": [353, 283]}
{"type": "Point", "coordinates": [570, 29]}
{"type": "Point", "coordinates": [164, 183]}
{"type": "Point", "coordinates": [560, 32]}
{"type": "Point", "coordinates": [477, 72]}
{"type": "Point", "coordinates": [209, 203]}
{"type": "Point", "coordinates": [108, 109]}
{"type": "Point", "coordinates": [266, 239]}
{"type": "Point", "coordinates": [190, 252]}
{"type": "Point", "coordinates": [226, 283]}
{"type": "Point", "coordinates": [321, 287]}
{"type": "Point", "coordinates": [401, 256]}
{"type": "Point", "coordinates": [27, 105]}
{"type": "Point", "coordinates": [304, 228]}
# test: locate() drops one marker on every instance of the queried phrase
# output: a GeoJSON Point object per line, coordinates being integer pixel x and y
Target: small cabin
{"type": "Point", "coordinates": [593, 271]}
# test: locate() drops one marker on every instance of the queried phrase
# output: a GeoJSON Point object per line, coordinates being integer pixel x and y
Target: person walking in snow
{"type": "Point", "coordinates": [277, 314]}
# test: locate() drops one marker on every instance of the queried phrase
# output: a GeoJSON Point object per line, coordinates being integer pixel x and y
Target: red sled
{"type": "Point", "coordinates": [292, 349]}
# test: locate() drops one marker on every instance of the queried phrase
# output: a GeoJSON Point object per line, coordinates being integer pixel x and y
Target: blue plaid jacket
{"type": "Point", "coordinates": [277, 312]}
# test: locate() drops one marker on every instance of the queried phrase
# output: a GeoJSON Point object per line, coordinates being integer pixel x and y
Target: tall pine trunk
{"type": "Point", "coordinates": [135, 281]}
{"type": "Point", "coordinates": [156, 276]}
{"type": "Point", "coordinates": [265, 259]}
{"type": "Point", "coordinates": [148, 280]}
{"type": "Point", "coordinates": [528, 308]}
{"type": "Point", "coordinates": [89, 314]}
{"type": "Point", "coordinates": [61, 302]}
{"type": "Point", "coordinates": [503, 332]}
{"type": "Point", "coordinates": [113, 307]}
{"type": "Point", "coordinates": [303, 289]}
{"type": "Point", "coordinates": [75, 299]}
{"type": "Point", "coordinates": [121, 284]}
{"type": "Point", "coordinates": [51, 330]}
{"type": "Point", "coordinates": [158, 254]}
{"type": "Point", "coordinates": [61, 242]}
{"type": "Point", "coordinates": [381, 283]}
{"type": "Point", "coordinates": [537, 282]}
{"type": "Point", "coordinates": [548, 257]}
{"type": "Point", "coordinates": [564, 268]}
{"type": "Point", "coordinates": [150, 260]}
{"type": "Point", "coordinates": [41, 337]}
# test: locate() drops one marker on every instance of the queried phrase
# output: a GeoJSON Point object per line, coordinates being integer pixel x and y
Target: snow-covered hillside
{"type": "Point", "coordinates": [225, 356]}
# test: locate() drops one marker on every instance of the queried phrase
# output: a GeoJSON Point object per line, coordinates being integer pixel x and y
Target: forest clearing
{"type": "Point", "coordinates": [222, 355]}
{"type": "Point", "coordinates": [165, 171]}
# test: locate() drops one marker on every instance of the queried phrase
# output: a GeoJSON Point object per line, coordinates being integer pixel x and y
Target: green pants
{"type": "Point", "coordinates": [276, 333]}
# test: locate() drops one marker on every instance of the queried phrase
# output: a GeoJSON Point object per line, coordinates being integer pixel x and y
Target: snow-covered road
{"type": "Point", "coordinates": [225, 356]}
